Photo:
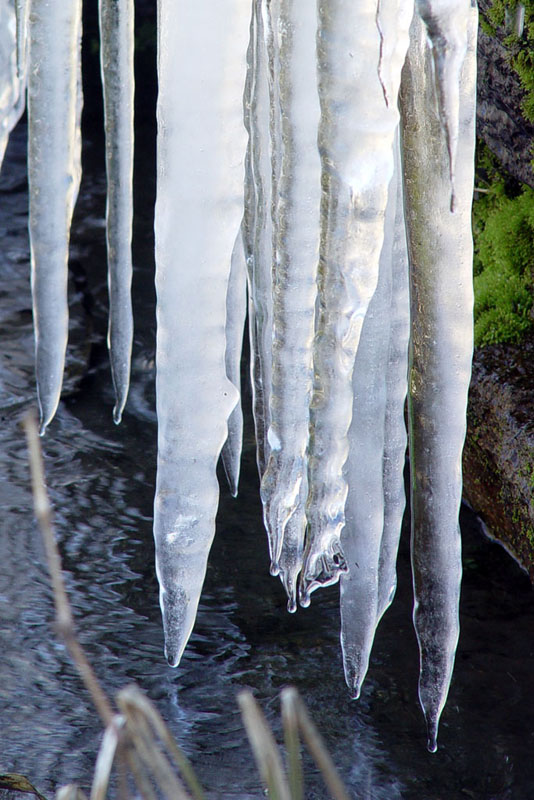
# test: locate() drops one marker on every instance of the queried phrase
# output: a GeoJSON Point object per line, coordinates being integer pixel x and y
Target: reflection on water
{"type": "Point", "coordinates": [101, 482]}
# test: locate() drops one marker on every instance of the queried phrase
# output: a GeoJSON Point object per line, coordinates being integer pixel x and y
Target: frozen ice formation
{"type": "Point", "coordinates": [289, 188]}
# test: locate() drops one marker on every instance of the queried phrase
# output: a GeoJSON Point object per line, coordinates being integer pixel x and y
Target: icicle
{"type": "Point", "coordinates": [12, 72]}
{"type": "Point", "coordinates": [395, 437]}
{"type": "Point", "coordinates": [296, 206]}
{"type": "Point", "coordinates": [257, 227]}
{"type": "Point", "coordinates": [201, 146]}
{"type": "Point", "coordinates": [364, 510]}
{"type": "Point", "coordinates": [22, 12]}
{"type": "Point", "coordinates": [117, 64]}
{"type": "Point", "coordinates": [54, 172]}
{"type": "Point", "coordinates": [446, 22]}
{"type": "Point", "coordinates": [355, 141]}
{"type": "Point", "coordinates": [236, 311]}
{"type": "Point", "coordinates": [440, 247]}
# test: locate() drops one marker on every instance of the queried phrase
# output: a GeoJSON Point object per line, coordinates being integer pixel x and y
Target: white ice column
{"type": "Point", "coordinates": [440, 248]}
{"type": "Point", "coordinates": [117, 63]}
{"type": "Point", "coordinates": [295, 220]}
{"type": "Point", "coordinates": [200, 170]}
{"type": "Point", "coordinates": [359, 117]}
{"type": "Point", "coordinates": [54, 171]}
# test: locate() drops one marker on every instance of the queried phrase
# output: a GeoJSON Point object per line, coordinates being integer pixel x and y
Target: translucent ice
{"type": "Point", "coordinates": [440, 246]}
{"type": "Point", "coordinates": [13, 38]}
{"type": "Point", "coordinates": [54, 108]}
{"type": "Point", "coordinates": [117, 63]}
{"type": "Point", "coordinates": [295, 219]}
{"type": "Point", "coordinates": [355, 140]}
{"type": "Point", "coordinates": [447, 23]}
{"type": "Point", "coordinates": [236, 310]}
{"type": "Point", "coordinates": [261, 171]}
{"type": "Point", "coordinates": [201, 145]}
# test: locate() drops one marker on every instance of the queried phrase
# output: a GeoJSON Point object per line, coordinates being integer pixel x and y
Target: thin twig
{"type": "Point", "coordinates": [317, 748]}
{"type": "Point", "coordinates": [64, 620]}
{"type": "Point", "coordinates": [264, 747]}
{"type": "Point", "coordinates": [134, 697]}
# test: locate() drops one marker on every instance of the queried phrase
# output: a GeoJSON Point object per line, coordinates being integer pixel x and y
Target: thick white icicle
{"type": "Point", "coordinates": [201, 146]}
{"type": "Point", "coordinates": [355, 141]}
{"type": "Point", "coordinates": [440, 247]}
{"type": "Point", "coordinates": [296, 208]}
{"type": "Point", "coordinates": [257, 221]}
{"type": "Point", "coordinates": [446, 22]}
{"type": "Point", "coordinates": [54, 172]}
{"type": "Point", "coordinates": [117, 64]}
{"type": "Point", "coordinates": [12, 72]}
{"type": "Point", "coordinates": [236, 312]}
{"type": "Point", "coordinates": [395, 435]}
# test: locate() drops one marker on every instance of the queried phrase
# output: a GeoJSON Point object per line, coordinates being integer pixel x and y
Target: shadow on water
{"type": "Point", "coordinates": [101, 481]}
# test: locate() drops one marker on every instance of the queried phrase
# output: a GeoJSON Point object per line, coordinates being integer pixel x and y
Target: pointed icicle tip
{"type": "Point", "coordinates": [274, 569]}
{"type": "Point", "coordinates": [432, 735]}
{"type": "Point", "coordinates": [172, 656]}
{"type": "Point", "coordinates": [117, 415]}
{"type": "Point", "coordinates": [292, 604]}
{"type": "Point", "coordinates": [355, 691]}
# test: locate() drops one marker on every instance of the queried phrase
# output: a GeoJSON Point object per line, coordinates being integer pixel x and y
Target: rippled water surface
{"type": "Point", "coordinates": [101, 481]}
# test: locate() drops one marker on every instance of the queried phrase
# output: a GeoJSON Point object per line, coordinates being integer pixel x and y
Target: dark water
{"type": "Point", "coordinates": [101, 481]}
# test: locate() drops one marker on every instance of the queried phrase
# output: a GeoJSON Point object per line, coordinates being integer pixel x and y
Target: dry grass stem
{"type": "Point", "coordinates": [264, 747]}
{"type": "Point", "coordinates": [64, 620]}
{"type": "Point", "coordinates": [70, 792]}
{"type": "Point", "coordinates": [316, 745]}
{"type": "Point", "coordinates": [133, 697]}
{"type": "Point", "coordinates": [292, 743]}
{"type": "Point", "coordinates": [105, 759]}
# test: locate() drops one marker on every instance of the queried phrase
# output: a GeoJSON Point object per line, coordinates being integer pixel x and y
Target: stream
{"type": "Point", "coordinates": [101, 483]}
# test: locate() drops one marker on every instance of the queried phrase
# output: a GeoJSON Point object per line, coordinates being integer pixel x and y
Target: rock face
{"type": "Point", "coordinates": [499, 120]}
{"type": "Point", "coordinates": [499, 449]}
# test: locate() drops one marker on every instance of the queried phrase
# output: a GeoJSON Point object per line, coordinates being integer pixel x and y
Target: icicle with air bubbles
{"type": "Point", "coordinates": [257, 222]}
{"type": "Point", "coordinates": [54, 171]}
{"type": "Point", "coordinates": [395, 434]}
{"type": "Point", "coordinates": [236, 311]}
{"type": "Point", "coordinates": [200, 148]}
{"type": "Point", "coordinates": [356, 144]}
{"type": "Point", "coordinates": [440, 248]}
{"type": "Point", "coordinates": [296, 208]}
{"type": "Point", "coordinates": [117, 63]}
{"type": "Point", "coordinates": [13, 39]}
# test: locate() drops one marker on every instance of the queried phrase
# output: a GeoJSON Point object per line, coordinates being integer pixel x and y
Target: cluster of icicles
{"type": "Point", "coordinates": [290, 187]}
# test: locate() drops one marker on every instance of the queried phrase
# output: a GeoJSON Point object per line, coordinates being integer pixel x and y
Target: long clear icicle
{"type": "Point", "coordinates": [117, 64]}
{"type": "Point", "coordinates": [356, 146]}
{"type": "Point", "coordinates": [236, 312]}
{"type": "Point", "coordinates": [368, 508]}
{"type": "Point", "coordinates": [395, 434]}
{"type": "Point", "coordinates": [257, 220]}
{"type": "Point", "coordinates": [440, 247]}
{"type": "Point", "coordinates": [54, 171]}
{"type": "Point", "coordinates": [364, 509]}
{"type": "Point", "coordinates": [296, 208]}
{"type": "Point", "coordinates": [201, 146]}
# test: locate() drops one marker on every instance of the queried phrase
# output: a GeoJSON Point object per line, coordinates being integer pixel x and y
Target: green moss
{"type": "Point", "coordinates": [503, 226]}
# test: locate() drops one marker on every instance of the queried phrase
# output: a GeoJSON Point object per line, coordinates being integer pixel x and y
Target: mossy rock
{"type": "Point", "coordinates": [503, 228]}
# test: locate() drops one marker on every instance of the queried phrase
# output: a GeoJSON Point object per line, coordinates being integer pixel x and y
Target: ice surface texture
{"type": "Point", "coordinates": [117, 63]}
{"type": "Point", "coordinates": [440, 248]}
{"type": "Point", "coordinates": [281, 188]}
